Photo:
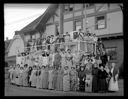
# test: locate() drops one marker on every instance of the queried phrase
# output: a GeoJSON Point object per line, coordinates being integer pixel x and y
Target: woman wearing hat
{"type": "Point", "coordinates": [66, 79]}
{"type": "Point", "coordinates": [42, 76]}
{"type": "Point", "coordinates": [82, 76]}
{"type": "Point", "coordinates": [102, 83]}
{"type": "Point", "coordinates": [50, 78]}
{"type": "Point", "coordinates": [113, 84]}
{"type": "Point", "coordinates": [57, 60]}
{"type": "Point", "coordinates": [95, 78]}
{"type": "Point", "coordinates": [59, 83]}
{"type": "Point", "coordinates": [33, 77]}
{"type": "Point", "coordinates": [55, 77]}
{"type": "Point", "coordinates": [73, 79]}
{"type": "Point", "coordinates": [25, 75]}
{"type": "Point", "coordinates": [38, 73]}
{"type": "Point", "coordinates": [45, 82]}
{"type": "Point", "coordinates": [63, 60]}
{"type": "Point", "coordinates": [88, 81]}
{"type": "Point", "coordinates": [69, 58]}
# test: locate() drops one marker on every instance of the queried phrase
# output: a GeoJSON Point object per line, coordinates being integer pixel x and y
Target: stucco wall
{"type": "Point", "coordinates": [68, 26]}
{"type": "Point", "coordinates": [50, 30]}
{"type": "Point", "coordinates": [115, 24]}
{"type": "Point", "coordinates": [17, 44]}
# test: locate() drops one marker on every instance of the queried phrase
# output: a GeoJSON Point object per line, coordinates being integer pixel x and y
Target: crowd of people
{"type": "Point", "coordinates": [62, 69]}
{"type": "Point", "coordinates": [65, 71]}
{"type": "Point", "coordinates": [40, 43]}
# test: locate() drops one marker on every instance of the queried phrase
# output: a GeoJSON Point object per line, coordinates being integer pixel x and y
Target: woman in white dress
{"type": "Point", "coordinates": [50, 78]}
{"type": "Point", "coordinates": [63, 60]}
{"type": "Point", "coordinates": [42, 76]}
{"type": "Point", "coordinates": [33, 78]}
{"type": "Point", "coordinates": [38, 72]}
{"type": "Point", "coordinates": [17, 71]}
{"type": "Point", "coordinates": [113, 84]}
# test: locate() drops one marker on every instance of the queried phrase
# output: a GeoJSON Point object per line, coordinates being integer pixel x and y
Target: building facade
{"type": "Point", "coordinates": [106, 21]}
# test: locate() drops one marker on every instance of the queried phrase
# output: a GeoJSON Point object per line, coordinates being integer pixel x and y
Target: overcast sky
{"type": "Point", "coordinates": [17, 16]}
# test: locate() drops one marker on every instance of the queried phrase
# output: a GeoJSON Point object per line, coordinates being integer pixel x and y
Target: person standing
{"type": "Point", "coordinates": [63, 60]}
{"type": "Point", "coordinates": [45, 82]}
{"type": "Point", "coordinates": [69, 59]}
{"type": "Point", "coordinates": [38, 72]}
{"type": "Point", "coordinates": [25, 75]}
{"type": "Point", "coordinates": [95, 78]}
{"type": "Point", "coordinates": [66, 79]}
{"type": "Point", "coordinates": [102, 79]}
{"type": "Point", "coordinates": [21, 76]}
{"type": "Point", "coordinates": [88, 71]}
{"type": "Point", "coordinates": [17, 72]}
{"type": "Point", "coordinates": [57, 60]}
{"type": "Point", "coordinates": [77, 78]}
{"type": "Point", "coordinates": [50, 78]}
{"type": "Point", "coordinates": [33, 77]}
{"type": "Point", "coordinates": [73, 79]}
{"type": "Point", "coordinates": [113, 84]}
{"type": "Point", "coordinates": [55, 78]}
{"type": "Point", "coordinates": [11, 69]}
{"type": "Point", "coordinates": [59, 84]}
{"type": "Point", "coordinates": [29, 74]}
{"type": "Point", "coordinates": [75, 59]}
{"type": "Point", "coordinates": [42, 77]}
{"type": "Point", "coordinates": [67, 37]}
{"type": "Point", "coordinates": [82, 77]}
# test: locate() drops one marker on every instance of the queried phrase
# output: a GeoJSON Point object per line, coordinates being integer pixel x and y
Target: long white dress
{"type": "Point", "coordinates": [50, 79]}
{"type": "Point", "coordinates": [113, 85]}
{"type": "Point", "coordinates": [33, 78]}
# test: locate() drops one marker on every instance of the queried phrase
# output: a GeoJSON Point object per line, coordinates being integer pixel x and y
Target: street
{"type": "Point", "coordinates": [12, 90]}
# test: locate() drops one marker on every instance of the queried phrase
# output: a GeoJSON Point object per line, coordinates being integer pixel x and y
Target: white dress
{"type": "Point", "coordinates": [45, 61]}
{"type": "Point", "coordinates": [113, 85]}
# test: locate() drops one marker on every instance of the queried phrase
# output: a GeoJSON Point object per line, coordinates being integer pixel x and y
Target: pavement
{"type": "Point", "coordinates": [13, 90]}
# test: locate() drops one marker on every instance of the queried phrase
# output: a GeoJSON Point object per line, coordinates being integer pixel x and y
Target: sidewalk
{"type": "Point", "coordinates": [12, 90]}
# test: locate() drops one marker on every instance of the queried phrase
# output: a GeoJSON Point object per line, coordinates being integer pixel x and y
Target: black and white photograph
{"type": "Point", "coordinates": [63, 49]}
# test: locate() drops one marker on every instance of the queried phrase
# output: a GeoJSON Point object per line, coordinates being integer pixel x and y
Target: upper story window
{"type": "Point", "coordinates": [68, 7]}
{"type": "Point", "coordinates": [88, 5]}
{"type": "Point", "coordinates": [100, 22]}
{"type": "Point", "coordinates": [78, 24]}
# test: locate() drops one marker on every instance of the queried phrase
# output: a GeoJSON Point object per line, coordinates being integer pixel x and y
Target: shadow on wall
{"type": "Point", "coordinates": [121, 69]}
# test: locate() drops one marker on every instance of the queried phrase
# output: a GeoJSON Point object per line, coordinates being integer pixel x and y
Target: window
{"type": "Point", "coordinates": [78, 24]}
{"type": "Point", "coordinates": [68, 7]}
{"type": "Point", "coordinates": [112, 53]}
{"type": "Point", "coordinates": [88, 5]}
{"type": "Point", "coordinates": [100, 22]}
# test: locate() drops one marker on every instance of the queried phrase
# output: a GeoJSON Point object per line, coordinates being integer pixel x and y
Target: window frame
{"type": "Point", "coordinates": [96, 22]}
{"type": "Point", "coordinates": [68, 8]}
{"type": "Point", "coordinates": [78, 20]}
{"type": "Point", "coordinates": [111, 49]}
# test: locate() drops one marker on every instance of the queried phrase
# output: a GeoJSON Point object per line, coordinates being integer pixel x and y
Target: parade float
{"type": "Point", "coordinates": [81, 42]}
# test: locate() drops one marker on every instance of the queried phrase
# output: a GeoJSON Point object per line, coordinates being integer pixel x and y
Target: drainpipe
{"type": "Point", "coordinates": [61, 19]}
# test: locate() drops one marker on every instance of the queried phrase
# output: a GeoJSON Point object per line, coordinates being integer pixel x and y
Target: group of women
{"type": "Point", "coordinates": [65, 71]}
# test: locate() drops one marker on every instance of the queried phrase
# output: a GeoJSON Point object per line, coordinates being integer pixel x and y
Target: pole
{"type": "Point", "coordinates": [85, 19]}
{"type": "Point", "coordinates": [61, 19]}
